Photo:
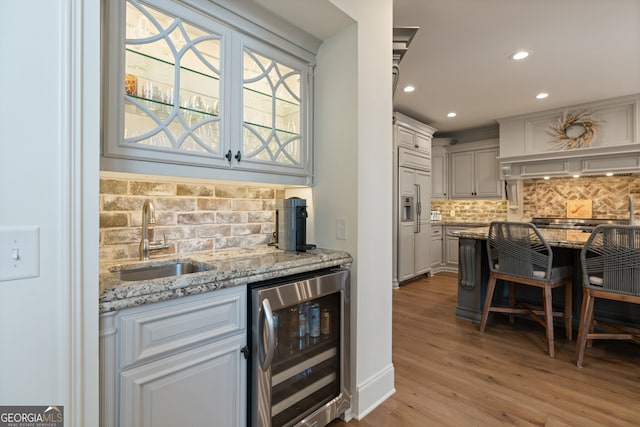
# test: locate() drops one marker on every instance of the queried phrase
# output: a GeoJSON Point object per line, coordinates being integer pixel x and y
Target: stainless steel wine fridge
{"type": "Point", "coordinates": [299, 371]}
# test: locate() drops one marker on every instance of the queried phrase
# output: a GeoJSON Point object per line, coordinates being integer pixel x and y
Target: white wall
{"type": "Point", "coordinates": [43, 320]}
{"type": "Point", "coordinates": [353, 149]}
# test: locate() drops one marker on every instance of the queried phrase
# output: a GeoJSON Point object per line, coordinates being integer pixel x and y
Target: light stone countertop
{"type": "Point", "coordinates": [228, 269]}
{"type": "Point", "coordinates": [460, 223]}
{"type": "Point", "coordinates": [572, 239]}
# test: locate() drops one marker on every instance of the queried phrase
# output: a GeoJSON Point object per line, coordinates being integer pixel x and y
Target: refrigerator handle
{"type": "Point", "coordinates": [265, 357]}
{"type": "Point", "coordinates": [416, 228]}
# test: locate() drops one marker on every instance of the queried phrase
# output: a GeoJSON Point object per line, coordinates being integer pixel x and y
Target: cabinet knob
{"type": "Point", "coordinates": [228, 156]}
{"type": "Point", "coordinates": [238, 157]}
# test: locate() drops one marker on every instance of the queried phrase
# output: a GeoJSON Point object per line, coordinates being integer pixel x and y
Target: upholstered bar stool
{"type": "Point", "coordinates": [518, 253]}
{"type": "Point", "coordinates": [611, 270]}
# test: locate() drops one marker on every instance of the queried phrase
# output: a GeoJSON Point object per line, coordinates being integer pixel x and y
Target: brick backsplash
{"type": "Point", "coordinates": [609, 195]}
{"type": "Point", "coordinates": [192, 217]}
{"type": "Point", "coordinates": [471, 210]}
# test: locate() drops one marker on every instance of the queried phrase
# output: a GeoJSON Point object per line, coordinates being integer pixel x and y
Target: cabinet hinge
{"type": "Point", "coordinates": [245, 352]}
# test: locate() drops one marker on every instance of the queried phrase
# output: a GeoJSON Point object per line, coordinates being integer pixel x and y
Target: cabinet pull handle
{"type": "Point", "coordinates": [238, 156]}
{"type": "Point", "coordinates": [228, 156]}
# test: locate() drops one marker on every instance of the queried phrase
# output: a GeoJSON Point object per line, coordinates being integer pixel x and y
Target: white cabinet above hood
{"type": "Point", "coordinates": [528, 148]}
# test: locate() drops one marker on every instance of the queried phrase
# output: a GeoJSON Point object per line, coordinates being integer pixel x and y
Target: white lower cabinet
{"type": "Point", "coordinates": [177, 362]}
{"type": "Point", "coordinates": [200, 387]}
{"type": "Point", "coordinates": [451, 251]}
{"type": "Point", "coordinates": [436, 248]}
{"type": "Point", "coordinates": [451, 256]}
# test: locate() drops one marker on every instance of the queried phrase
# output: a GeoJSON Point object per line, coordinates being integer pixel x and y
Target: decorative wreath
{"type": "Point", "coordinates": [574, 130]}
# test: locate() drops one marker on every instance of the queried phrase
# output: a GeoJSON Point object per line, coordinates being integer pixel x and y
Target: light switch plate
{"type": "Point", "coordinates": [19, 252]}
{"type": "Point", "coordinates": [341, 228]}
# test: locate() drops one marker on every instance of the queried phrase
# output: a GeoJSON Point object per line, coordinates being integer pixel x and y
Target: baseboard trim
{"type": "Point", "coordinates": [371, 393]}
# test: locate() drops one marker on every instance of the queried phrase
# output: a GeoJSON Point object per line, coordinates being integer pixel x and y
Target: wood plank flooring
{"type": "Point", "coordinates": [449, 374]}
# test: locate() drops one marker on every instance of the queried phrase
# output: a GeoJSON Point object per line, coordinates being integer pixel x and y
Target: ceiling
{"type": "Point", "coordinates": [581, 51]}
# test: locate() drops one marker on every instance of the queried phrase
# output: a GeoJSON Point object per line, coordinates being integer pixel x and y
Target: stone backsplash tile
{"type": "Point", "coordinates": [609, 195]}
{"type": "Point", "coordinates": [191, 217]}
{"type": "Point", "coordinates": [471, 210]}
{"type": "Point", "coordinates": [194, 190]}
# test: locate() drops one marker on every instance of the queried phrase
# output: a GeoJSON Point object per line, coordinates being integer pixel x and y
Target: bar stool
{"type": "Point", "coordinates": [611, 270]}
{"type": "Point", "coordinates": [518, 253]}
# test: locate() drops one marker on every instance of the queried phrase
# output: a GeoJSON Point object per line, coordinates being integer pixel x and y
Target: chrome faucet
{"type": "Point", "coordinates": [148, 217]}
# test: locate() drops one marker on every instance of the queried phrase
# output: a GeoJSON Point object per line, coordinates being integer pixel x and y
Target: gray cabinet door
{"type": "Point", "coordinates": [487, 176]}
{"type": "Point", "coordinates": [436, 246]}
{"type": "Point", "coordinates": [439, 176]}
{"type": "Point", "coordinates": [462, 175]}
{"type": "Point", "coordinates": [474, 174]}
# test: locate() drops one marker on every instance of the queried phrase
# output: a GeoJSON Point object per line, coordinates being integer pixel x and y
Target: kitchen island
{"type": "Point", "coordinates": [473, 274]}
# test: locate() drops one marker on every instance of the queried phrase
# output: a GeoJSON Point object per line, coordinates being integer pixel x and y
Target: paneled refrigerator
{"type": "Point", "coordinates": [414, 225]}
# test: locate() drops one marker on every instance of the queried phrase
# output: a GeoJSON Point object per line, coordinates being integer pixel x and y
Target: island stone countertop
{"type": "Point", "coordinates": [223, 270]}
{"type": "Point", "coordinates": [460, 223]}
{"type": "Point", "coordinates": [572, 239]}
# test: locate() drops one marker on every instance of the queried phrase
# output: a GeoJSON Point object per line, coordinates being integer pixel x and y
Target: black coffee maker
{"type": "Point", "coordinates": [291, 224]}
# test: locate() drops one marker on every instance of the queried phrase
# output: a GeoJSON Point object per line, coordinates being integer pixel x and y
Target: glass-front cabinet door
{"type": "Point", "coordinates": [172, 83]}
{"type": "Point", "coordinates": [184, 88]}
{"type": "Point", "coordinates": [273, 89]}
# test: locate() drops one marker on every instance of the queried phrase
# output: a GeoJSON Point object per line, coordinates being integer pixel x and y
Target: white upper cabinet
{"type": "Point", "coordinates": [439, 169]}
{"type": "Point", "coordinates": [186, 89]}
{"type": "Point", "coordinates": [413, 134]}
{"type": "Point", "coordinates": [474, 171]}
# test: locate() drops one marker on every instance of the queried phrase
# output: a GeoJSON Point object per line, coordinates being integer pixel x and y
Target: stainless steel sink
{"type": "Point", "coordinates": [159, 271]}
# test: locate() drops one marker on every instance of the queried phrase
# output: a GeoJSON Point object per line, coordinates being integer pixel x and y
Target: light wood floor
{"type": "Point", "coordinates": [449, 374]}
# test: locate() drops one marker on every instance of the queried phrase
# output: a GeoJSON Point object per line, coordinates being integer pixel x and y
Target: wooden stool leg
{"type": "Point", "coordinates": [491, 285]}
{"type": "Point", "coordinates": [512, 301]}
{"type": "Point", "coordinates": [586, 314]}
{"type": "Point", "coordinates": [548, 319]}
{"type": "Point", "coordinates": [568, 309]}
{"type": "Point", "coordinates": [591, 321]}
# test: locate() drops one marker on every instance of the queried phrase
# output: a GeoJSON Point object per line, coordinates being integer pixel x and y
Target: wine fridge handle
{"type": "Point", "coordinates": [267, 356]}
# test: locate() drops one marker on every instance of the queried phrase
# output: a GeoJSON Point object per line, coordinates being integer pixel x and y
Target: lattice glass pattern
{"type": "Point", "coordinates": [271, 110]}
{"type": "Point", "coordinates": [172, 83]}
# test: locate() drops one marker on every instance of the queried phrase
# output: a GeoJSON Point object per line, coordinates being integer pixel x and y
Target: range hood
{"type": "Point", "coordinates": [528, 151]}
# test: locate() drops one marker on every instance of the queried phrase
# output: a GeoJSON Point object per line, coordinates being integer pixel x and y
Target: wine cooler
{"type": "Point", "coordinates": [299, 350]}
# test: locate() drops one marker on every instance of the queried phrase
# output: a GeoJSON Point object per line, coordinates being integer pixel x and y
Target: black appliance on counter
{"type": "Point", "coordinates": [299, 349]}
{"type": "Point", "coordinates": [291, 225]}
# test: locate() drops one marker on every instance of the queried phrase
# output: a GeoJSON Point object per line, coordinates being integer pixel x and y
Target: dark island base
{"type": "Point", "coordinates": [473, 274]}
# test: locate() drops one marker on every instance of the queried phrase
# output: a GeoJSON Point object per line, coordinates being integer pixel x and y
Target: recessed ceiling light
{"type": "Point", "coordinates": [520, 55]}
{"type": "Point", "coordinates": [609, 174]}
{"type": "Point", "coordinates": [451, 114]}
{"type": "Point", "coordinates": [547, 177]}
{"type": "Point", "coordinates": [409, 88]}
{"type": "Point", "coordinates": [576, 176]}
{"type": "Point", "coordinates": [542, 95]}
